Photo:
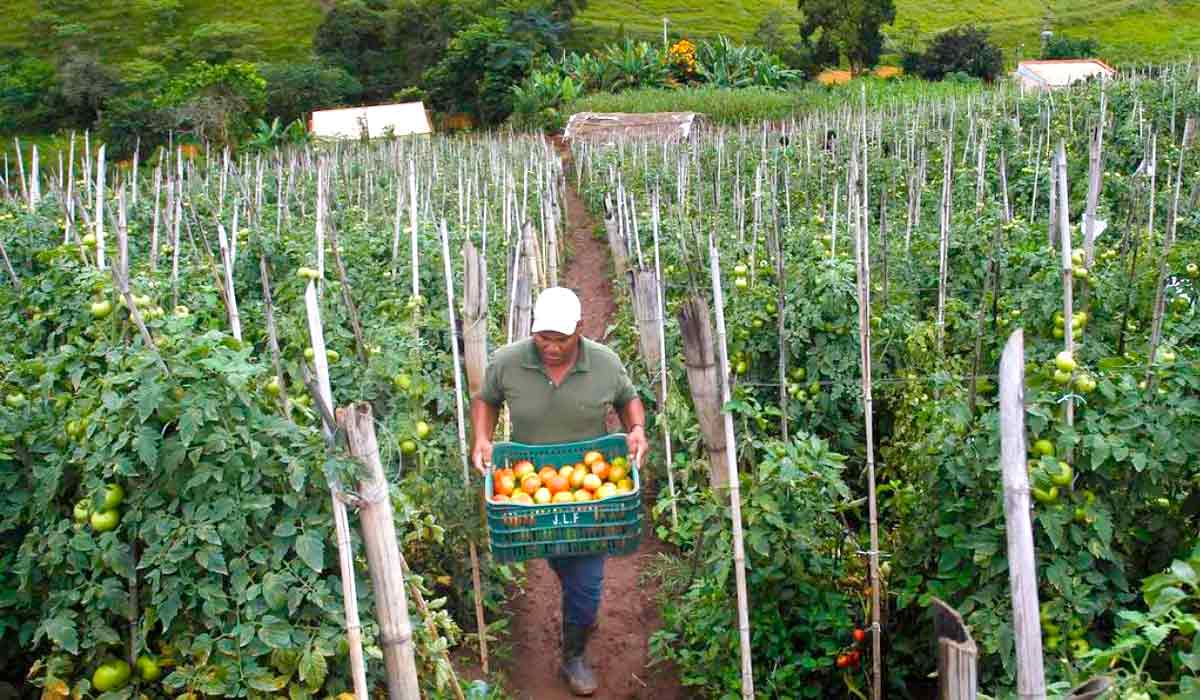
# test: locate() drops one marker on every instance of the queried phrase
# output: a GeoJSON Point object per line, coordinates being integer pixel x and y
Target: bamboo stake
{"type": "Point", "coordinates": [1095, 173]}
{"type": "Point", "coordinates": [662, 364]}
{"type": "Point", "coordinates": [272, 336]}
{"type": "Point", "coordinates": [1168, 242]}
{"type": "Point", "coordinates": [944, 239]}
{"type": "Point", "coordinates": [1064, 227]}
{"type": "Point", "coordinates": [358, 669]}
{"type": "Point", "coordinates": [383, 554]}
{"type": "Point", "coordinates": [412, 219]}
{"type": "Point", "coordinates": [1022, 568]}
{"type": "Point", "coordinates": [98, 212]}
{"type": "Point", "coordinates": [735, 498]}
{"type": "Point", "coordinates": [462, 444]}
{"type": "Point", "coordinates": [863, 253]}
{"type": "Point", "coordinates": [235, 320]}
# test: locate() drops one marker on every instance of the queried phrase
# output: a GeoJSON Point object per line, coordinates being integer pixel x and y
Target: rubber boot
{"type": "Point", "coordinates": [575, 670]}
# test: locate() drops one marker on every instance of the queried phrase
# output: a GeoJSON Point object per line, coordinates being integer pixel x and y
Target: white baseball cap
{"type": "Point", "coordinates": [556, 309]}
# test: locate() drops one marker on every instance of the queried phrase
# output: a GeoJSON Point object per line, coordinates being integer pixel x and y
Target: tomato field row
{"type": "Point", "coordinates": [220, 567]}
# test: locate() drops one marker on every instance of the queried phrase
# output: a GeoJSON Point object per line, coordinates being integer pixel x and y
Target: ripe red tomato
{"type": "Point", "coordinates": [859, 635]}
{"type": "Point", "coordinates": [843, 660]}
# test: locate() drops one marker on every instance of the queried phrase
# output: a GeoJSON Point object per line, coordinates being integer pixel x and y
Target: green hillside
{"type": "Point", "coordinates": [1129, 30]}
{"type": "Point", "coordinates": [285, 26]}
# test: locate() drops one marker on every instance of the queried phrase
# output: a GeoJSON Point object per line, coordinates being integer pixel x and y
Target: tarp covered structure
{"type": "Point", "coordinates": [1051, 74]}
{"type": "Point", "coordinates": [611, 126]}
{"type": "Point", "coordinates": [377, 121]}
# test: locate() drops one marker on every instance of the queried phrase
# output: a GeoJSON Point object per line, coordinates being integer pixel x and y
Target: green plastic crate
{"type": "Point", "coordinates": [612, 526]}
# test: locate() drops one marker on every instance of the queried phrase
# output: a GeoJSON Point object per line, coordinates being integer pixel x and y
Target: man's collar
{"type": "Point", "coordinates": [583, 363]}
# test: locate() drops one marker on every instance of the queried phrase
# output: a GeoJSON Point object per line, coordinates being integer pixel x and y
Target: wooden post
{"type": "Point", "coordinates": [662, 364]}
{"type": "Point", "coordinates": [735, 498]}
{"type": "Point", "coordinates": [957, 662]}
{"type": "Point", "coordinates": [1022, 571]}
{"type": "Point", "coordinates": [324, 399]}
{"type": "Point", "coordinates": [646, 307]}
{"type": "Point", "coordinates": [383, 554]}
{"type": "Point", "coordinates": [702, 372]}
{"type": "Point", "coordinates": [475, 314]}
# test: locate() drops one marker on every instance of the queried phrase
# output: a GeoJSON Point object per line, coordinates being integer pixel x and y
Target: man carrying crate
{"type": "Point", "coordinates": [558, 386]}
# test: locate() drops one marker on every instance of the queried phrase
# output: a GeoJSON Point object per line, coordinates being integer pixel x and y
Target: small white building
{"type": "Point", "coordinates": [1053, 74]}
{"type": "Point", "coordinates": [374, 122]}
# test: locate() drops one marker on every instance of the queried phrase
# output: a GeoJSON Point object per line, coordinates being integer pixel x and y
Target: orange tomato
{"type": "Point", "coordinates": [557, 484]}
{"type": "Point", "coordinates": [565, 471]}
{"type": "Point", "coordinates": [583, 495]}
{"type": "Point", "coordinates": [625, 486]}
{"type": "Point", "coordinates": [593, 456]}
{"type": "Point", "coordinates": [600, 469]}
{"type": "Point", "coordinates": [542, 495]}
{"type": "Point", "coordinates": [531, 483]}
{"type": "Point", "coordinates": [606, 490]}
{"type": "Point", "coordinates": [616, 472]}
{"type": "Point", "coordinates": [504, 484]}
{"type": "Point", "coordinates": [547, 473]}
{"type": "Point", "coordinates": [563, 497]}
{"type": "Point", "coordinates": [500, 498]}
{"type": "Point", "coordinates": [522, 498]}
{"type": "Point", "coordinates": [591, 482]}
{"type": "Point", "coordinates": [577, 476]}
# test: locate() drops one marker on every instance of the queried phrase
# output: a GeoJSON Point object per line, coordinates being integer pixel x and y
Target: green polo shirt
{"type": "Point", "coordinates": [542, 412]}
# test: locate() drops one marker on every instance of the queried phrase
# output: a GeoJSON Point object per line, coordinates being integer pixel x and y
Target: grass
{"type": "Point", "coordinates": [725, 106]}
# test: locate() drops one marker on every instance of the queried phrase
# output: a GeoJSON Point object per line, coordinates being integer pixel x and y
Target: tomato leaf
{"type": "Point", "coordinates": [275, 634]}
{"type": "Point", "coordinates": [312, 668]}
{"type": "Point", "coordinates": [61, 630]}
{"type": "Point", "coordinates": [266, 681]}
{"type": "Point", "coordinates": [311, 551]}
{"type": "Point", "coordinates": [147, 445]}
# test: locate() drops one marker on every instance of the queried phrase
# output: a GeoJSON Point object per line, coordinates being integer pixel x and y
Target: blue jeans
{"type": "Point", "coordinates": [582, 580]}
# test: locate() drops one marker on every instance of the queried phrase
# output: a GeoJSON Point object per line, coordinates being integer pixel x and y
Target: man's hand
{"type": "Point", "coordinates": [636, 441]}
{"type": "Point", "coordinates": [481, 455]}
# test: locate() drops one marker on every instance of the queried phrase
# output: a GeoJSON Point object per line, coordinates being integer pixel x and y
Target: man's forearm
{"type": "Point", "coordinates": [484, 417]}
{"type": "Point", "coordinates": [633, 413]}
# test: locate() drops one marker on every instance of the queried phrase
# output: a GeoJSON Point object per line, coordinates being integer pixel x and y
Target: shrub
{"type": "Point", "coordinates": [1069, 47]}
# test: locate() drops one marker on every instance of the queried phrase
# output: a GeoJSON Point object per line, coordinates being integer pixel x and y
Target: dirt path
{"type": "Point", "coordinates": [619, 650]}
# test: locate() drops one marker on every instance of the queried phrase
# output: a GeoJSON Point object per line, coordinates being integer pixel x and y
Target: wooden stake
{"type": "Point", "coordinates": [1022, 567]}
{"type": "Point", "coordinates": [662, 364]}
{"type": "Point", "coordinates": [98, 211]}
{"type": "Point", "coordinates": [272, 336]}
{"type": "Point", "coordinates": [383, 554]}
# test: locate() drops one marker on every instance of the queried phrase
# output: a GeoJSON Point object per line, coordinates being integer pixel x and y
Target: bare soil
{"type": "Point", "coordinates": [619, 649]}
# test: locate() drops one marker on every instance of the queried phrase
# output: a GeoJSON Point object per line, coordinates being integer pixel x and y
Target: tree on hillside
{"type": "Point", "coordinates": [294, 89]}
{"type": "Point", "coordinates": [357, 35]}
{"type": "Point", "coordinates": [218, 42]}
{"type": "Point", "coordinates": [849, 28]}
{"type": "Point", "coordinates": [86, 82]}
{"type": "Point", "coordinates": [966, 50]}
